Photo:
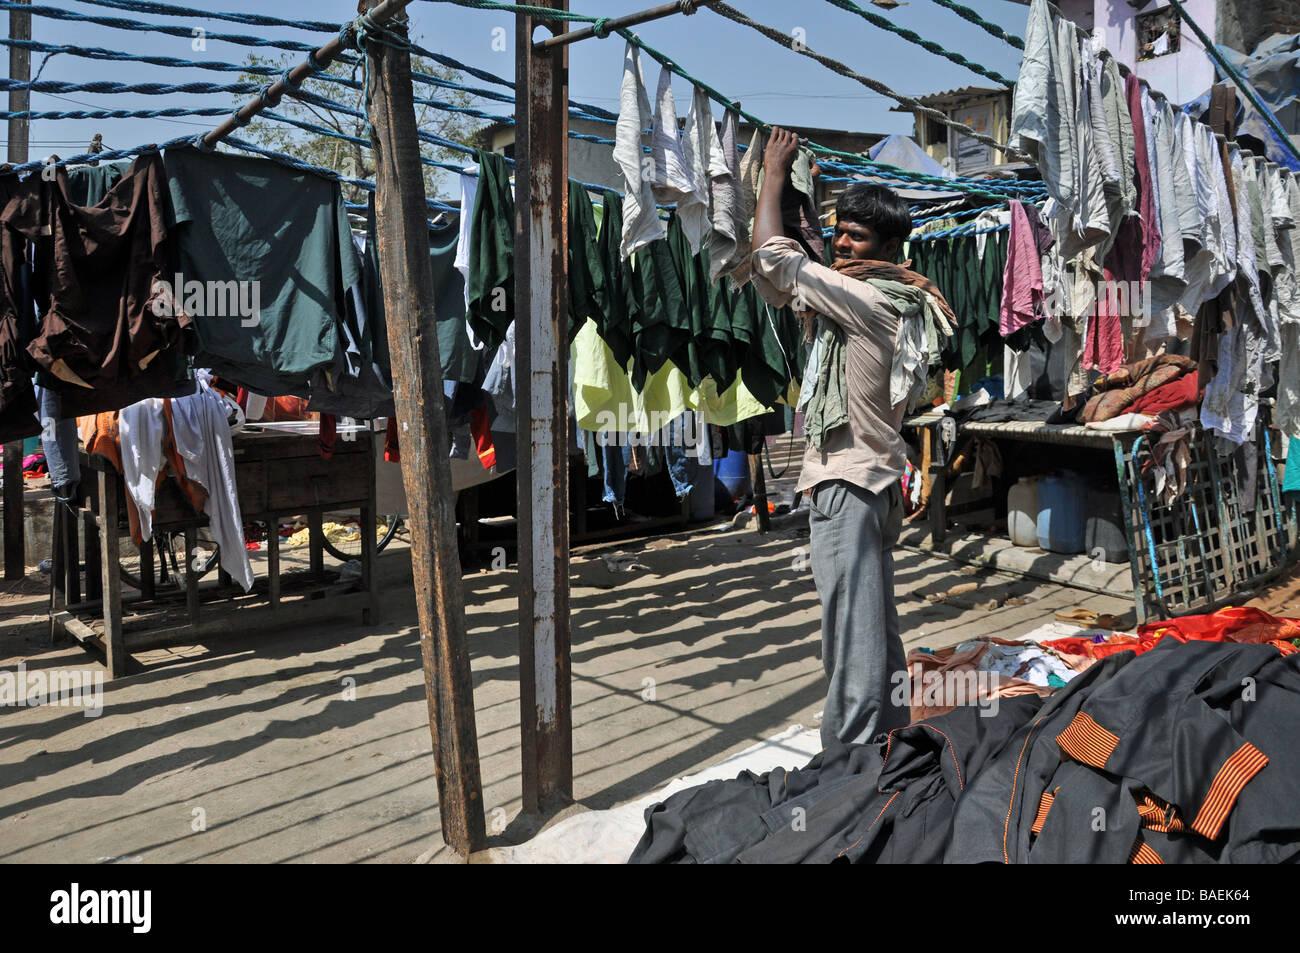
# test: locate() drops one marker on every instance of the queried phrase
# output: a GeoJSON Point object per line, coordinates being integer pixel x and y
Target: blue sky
{"type": "Point", "coordinates": [776, 84]}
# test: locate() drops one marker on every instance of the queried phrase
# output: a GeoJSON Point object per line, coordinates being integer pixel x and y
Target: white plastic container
{"type": "Point", "coordinates": [1022, 512]}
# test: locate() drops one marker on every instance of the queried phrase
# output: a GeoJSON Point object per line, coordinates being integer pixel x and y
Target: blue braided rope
{"type": "Point", "coordinates": [98, 53]}
{"type": "Point", "coordinates": [100, 156]}
{"type": "Point", "coordinates": [144, 89]}
{"type": "Point", "coordinates": [113, 113]}
{"type": "Point", "coordinates": [967, 229]}
{"type": "Point", "coordinates": [291, 46]}
{"type": "Point", "coordinates": [172, 10]}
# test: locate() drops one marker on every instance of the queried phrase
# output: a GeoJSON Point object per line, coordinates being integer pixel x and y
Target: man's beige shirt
{"type": "Point", "coordinates": [868, 451]}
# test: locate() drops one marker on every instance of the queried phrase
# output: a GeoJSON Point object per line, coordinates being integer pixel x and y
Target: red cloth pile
{"type": "Point", "coordinates": [1181, 393]}
{"type": "Point", "coordinates": [1245, 625]}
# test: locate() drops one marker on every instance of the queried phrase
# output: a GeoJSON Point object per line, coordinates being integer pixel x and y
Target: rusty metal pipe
{"type": "Point", "coordinates": [614, 23]}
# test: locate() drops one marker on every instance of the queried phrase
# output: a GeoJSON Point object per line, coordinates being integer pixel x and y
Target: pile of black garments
{"type": "Point", "coordinates": [1184, 754]}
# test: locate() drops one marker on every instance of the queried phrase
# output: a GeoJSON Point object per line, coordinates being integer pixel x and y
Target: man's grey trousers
{"type": "Point", "coordinates": [853, 533]}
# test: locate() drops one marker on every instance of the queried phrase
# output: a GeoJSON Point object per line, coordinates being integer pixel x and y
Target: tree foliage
{"type": "Point", "coordinates": [351, 159]}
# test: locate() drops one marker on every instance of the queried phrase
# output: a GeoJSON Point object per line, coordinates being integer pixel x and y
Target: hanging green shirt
{"type": "Point", "coordinates": [274, 236]}
{"type": "Point", "coordinates": [615, 325]}
{"type": "Point", "coordinates": [88, 184]}
{"type": "Point", "coordinates": [491, 305]}
{"type": "Point", "coordinates": [660, 318]}
{"type": "Point", "coordinates": [458, 358]}
{"type": "Point", "coordinates": [587, 290]}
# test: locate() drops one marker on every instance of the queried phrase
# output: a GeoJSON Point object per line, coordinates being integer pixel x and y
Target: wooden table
{"type": "Point", "coordinates": [277, 475]}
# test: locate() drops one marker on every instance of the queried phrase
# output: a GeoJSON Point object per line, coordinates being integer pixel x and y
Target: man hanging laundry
{"type": "Point", "coordinates": [855, 393]}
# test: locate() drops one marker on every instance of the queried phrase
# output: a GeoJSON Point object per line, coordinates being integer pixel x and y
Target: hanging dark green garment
{"type": "Point", "coordinates": [88, 184]}
{"type": "Point", "coordinates": [614, 324]}
{"type": "Point", "coordinates": [491, 305]}
{"type": "Point", "coordinates": [762, 363]}
{"type": "Point", "coordinates": [251, 225]}
{"type": "Point", "coordinates": [693, 273]}
{"type": "Point", "coordinates": [587, 288]}
{"type": "Point", "coordinates": [363, 389]}
{"type": "Point", "coordinates": [458, 358]}
{"type": "Point", "coordinates": [660, 319]}
{"type": "Point", "coordinates": [717, 349]}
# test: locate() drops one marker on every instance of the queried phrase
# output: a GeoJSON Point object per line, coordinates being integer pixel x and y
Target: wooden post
{"type": "Point", "coordinates": [403, 235]}
{"type": "Point", "coordinates": [109, 567]}
{"type": "Point", "coordinates": [758, 484]}
{"type": "Point", "coordinates": [541, 355]}
{"type": "Point", "coordinates": [20, 68]}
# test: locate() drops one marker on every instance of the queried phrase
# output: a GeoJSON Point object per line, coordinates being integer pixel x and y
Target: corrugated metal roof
{"type": "Point", "coordinates": [957, 95]}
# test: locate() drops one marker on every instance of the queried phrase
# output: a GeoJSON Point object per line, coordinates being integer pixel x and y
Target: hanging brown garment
{"type": "Point", "coordinates": [99, 272]}
{"type": "Point", "coordinates": [17, 397]}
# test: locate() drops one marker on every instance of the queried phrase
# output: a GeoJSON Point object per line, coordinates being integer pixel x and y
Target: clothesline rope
{"type": "Point", "coordinates": [912, 36]}
{"type": "Point", "coordinates": [966, 13]}
{"type": "Point", "coordinates": [904, 176]}
{"type": "Point", "coordinates": [723, 100]}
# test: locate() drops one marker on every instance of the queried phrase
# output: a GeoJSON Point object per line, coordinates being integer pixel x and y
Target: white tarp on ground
{"type": "Point", "coordinates": [608, 837]}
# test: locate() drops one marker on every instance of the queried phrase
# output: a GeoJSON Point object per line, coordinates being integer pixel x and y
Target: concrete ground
{"type": "Point", "coordinates": [314, 745]}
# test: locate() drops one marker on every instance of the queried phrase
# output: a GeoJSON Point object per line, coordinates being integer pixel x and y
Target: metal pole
{"type": "Point", "coordinates": [613, 24]}
{"type": "Point", "coordinates": [541, 348]}
{"type": "Point", "coordinates": [20, 68]}
{"type": "Point", "coordinates": [403, 236]}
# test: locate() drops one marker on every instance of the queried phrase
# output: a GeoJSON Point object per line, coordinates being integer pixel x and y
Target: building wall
{"type": "Point", "coordinates": [591, 162]}
{"type": "Point", "coordinates": [1181, 76]}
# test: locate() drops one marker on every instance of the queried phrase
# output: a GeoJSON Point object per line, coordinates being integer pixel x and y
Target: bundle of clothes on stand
{"type": "Point", "coordinates": [1168, 746]}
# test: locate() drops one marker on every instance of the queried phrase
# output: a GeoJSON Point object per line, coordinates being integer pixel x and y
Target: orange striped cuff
{"type": "Point", "coordinates": [1143, 854]}
{"type": "Point", "coordinates": [1087, 742]}
{"type": "Point", "coordinates": [1156, 815]}
{"type": "Point", "coordinates": [1044, 806]}
{"type": "Point", "coordinates": [1247, 762]}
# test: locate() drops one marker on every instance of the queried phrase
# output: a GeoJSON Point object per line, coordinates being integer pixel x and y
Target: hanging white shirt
{"type": "Point", "coordinates": [641, 224]}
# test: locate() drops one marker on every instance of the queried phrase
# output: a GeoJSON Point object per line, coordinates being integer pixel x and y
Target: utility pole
{"type": "Point", "coordinates": [542, 357]}
{"type": "Point", "coordinates": [403, 235]}
{"type": "Point", "coordinates": [20, 69]}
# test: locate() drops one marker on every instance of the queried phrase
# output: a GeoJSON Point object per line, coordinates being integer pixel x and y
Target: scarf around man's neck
{"type": "Point", "coordinates": [824, 397]}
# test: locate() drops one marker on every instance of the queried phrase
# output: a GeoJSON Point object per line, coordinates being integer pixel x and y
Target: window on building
{"type": "Point", "coordinates": [936, 133]}
{"type": "Point", "coordinates": [1157, 33]}
{"type": "Point", "coordinates": [970, 155]}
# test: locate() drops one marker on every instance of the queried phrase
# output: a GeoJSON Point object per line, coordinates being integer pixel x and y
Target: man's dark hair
{"type": "Point", "coordinates": [877, 207]}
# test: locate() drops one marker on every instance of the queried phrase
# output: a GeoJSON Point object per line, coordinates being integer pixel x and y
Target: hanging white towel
{"type": "Point", "coordinates": [140, 429]}
{"type": "Point", "coordinates": [728, 229]}
{"type": "Point", "coordinates": [641, 224]}
{"type": "Point", "coordinates": [468, 195]}
{"type": "Point", "coordinates": [704, 161]}
{"type": "Point", "coordinates": [672, 179]}
{"type": "Point", "coordinates": [751, 174]}
{"type": "Point", "coordinates": [202, 433]}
